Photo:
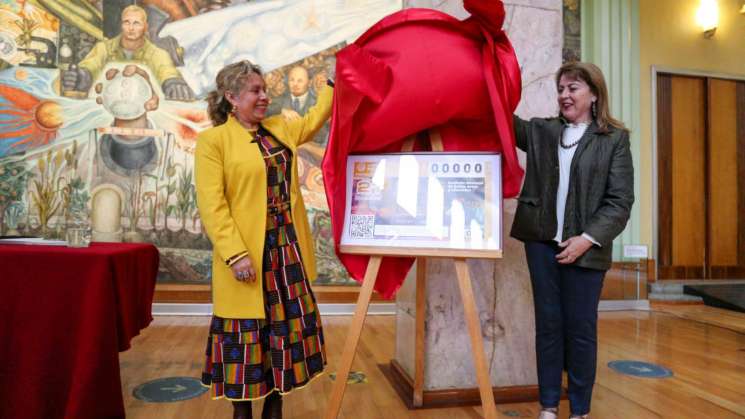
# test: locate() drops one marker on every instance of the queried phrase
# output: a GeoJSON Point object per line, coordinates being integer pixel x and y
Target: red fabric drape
{"type": "Point", "coordinates": [414, 70]}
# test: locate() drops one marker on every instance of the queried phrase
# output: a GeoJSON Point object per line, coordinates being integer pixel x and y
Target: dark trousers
{"type": "Point", "coordinates": [566, 312]}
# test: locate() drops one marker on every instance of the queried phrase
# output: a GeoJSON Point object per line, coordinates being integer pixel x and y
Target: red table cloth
{"type": "Point", "coordinates": [415, 70]}
{"type": "Point", "coordinates": [65, 314]}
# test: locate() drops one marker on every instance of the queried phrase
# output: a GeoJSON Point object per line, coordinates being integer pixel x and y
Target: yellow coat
{"type": "Point", "coordinates": [231, 196]}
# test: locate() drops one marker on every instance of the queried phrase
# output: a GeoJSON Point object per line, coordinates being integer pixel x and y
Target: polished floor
{"type": "Point", "coordinates": [703, 346]}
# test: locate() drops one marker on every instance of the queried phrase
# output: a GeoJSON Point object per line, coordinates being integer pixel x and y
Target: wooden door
{"type": "Point", "coordinates": [701, 169]}
{"type": "Point", "coordinates": [726, 179]}
{"type": "Point", "coordinates": [680, 150]}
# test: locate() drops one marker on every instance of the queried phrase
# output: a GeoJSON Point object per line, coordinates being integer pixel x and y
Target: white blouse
{"type": "Point", "coordinates": [571, 135]}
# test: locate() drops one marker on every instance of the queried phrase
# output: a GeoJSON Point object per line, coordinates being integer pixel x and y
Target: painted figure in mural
{"type": "Point", "coordinates": [319, 81]}
{"type": "Point", "coordinates": [299, 97]}
{"type": "Point", "coordinates": [128, 95]}
{"type": "Point", "coordinates": [265, 338]}
{"type": "Point", "coordinates": [131, 45]}
{"type": "Point", "coordinates": [569, 229]}
{"type": "Point", "coordinates": [275, 87]}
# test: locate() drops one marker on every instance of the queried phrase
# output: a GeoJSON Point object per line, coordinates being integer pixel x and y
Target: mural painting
{"type": "Point", "coordinates": [101, 103]}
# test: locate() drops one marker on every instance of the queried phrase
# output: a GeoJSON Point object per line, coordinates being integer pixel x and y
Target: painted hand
{"type": "Point", "coordinates": [129, 71]}
{"type": "Point", "coordinates": [177, 89]}
{"type": "Point", "coordinates": [78, 79]}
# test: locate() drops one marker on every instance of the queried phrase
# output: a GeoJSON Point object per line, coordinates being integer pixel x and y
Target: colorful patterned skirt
{"type": "Point", "coordinates": [247, 359]}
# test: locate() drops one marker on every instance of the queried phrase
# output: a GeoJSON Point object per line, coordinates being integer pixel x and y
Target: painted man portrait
{"type": "Point", "coordinates": [131, 45]}
{"type": "Point", "coordinates": [298, 98]}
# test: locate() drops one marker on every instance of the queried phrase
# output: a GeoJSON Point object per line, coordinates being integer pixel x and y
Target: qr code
{"type": "Point", "coordinates": [362, 226]}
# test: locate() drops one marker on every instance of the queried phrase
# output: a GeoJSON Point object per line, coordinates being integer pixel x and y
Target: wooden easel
{"type": "Point", "coordinates": [363, 302]}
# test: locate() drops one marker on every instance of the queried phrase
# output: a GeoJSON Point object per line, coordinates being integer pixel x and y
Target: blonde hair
{"type": "Point", "coordinates": [593, 76]}
{"type": "Point", "coordinates": [229, 79]}
{"type": "Point", "coordinates": [135, 8]}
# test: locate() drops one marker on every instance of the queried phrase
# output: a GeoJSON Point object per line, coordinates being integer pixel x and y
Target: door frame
{"type": "Point", "coordinates": [655, 69]}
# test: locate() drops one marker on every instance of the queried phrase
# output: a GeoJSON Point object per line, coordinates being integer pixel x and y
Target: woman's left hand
{"type": "Point", "coordinates": [290, 115]}
{"type": "Point", "coordinates": [574, 247]}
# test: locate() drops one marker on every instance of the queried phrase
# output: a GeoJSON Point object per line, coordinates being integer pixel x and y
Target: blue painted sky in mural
{"type": "Point", "coordinates": [77, 116]}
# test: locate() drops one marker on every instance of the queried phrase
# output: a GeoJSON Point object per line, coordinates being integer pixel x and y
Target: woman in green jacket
{"type": "Point", "coordinates": [265, 337]}
{"type": "Point", "coordinates": [576, 198]}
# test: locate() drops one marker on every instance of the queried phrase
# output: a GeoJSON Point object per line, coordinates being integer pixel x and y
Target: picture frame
{"type": "Point", "coordinates": [445, 204]}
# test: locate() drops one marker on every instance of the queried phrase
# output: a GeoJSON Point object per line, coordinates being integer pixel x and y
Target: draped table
{"type": "Point", "coordinates": [65, 314]}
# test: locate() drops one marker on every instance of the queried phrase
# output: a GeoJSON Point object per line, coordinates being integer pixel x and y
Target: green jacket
{"type": "Point", "coordinates": [601, 187]}
{"type": "Point", "coordinates": [155, 58]}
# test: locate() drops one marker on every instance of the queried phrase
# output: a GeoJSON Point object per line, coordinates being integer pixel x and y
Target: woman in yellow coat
{"type": "Point", "coordinates": [265, 337]}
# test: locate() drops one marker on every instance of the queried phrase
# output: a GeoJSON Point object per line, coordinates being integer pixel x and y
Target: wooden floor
{"type": "Point", "coordinates": [705, 348]}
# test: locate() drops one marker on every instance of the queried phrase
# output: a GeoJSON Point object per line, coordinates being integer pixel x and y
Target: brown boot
{"type": "Point", "coordinates": [242, 410]}
{"type": "Point", "coordinates": [272, 406]}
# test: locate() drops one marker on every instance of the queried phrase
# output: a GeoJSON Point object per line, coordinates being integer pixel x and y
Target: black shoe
{"type": "Point", "coordinates": [242, 410]}
{"type": "Point", "coordinates": [272, 406]}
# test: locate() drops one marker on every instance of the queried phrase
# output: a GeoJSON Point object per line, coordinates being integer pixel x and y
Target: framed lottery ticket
{"type": "Point", "coordinates": [424, 204]}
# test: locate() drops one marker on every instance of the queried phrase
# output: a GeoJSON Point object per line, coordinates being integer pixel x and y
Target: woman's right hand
{"type": "Point", "coordinates": [243, 270]}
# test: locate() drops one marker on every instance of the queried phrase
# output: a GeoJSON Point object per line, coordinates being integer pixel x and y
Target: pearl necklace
{"type": "Point", "coordinates": [575, 142]}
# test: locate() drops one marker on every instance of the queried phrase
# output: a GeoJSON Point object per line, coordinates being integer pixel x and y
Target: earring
{"type": "Point", "coordinates": [594, 110]}
{"type": "Point", "coordinates": [233, 109]}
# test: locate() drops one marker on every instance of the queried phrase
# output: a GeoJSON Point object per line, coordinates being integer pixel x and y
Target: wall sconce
{"type": "Point", "coordinates": [707, 17]}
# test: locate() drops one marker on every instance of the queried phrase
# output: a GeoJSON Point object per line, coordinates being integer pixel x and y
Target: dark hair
{"type": "Point", "coordinates": [593, 76]}
{"type": "Point", "coordinates": [229, 79]}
